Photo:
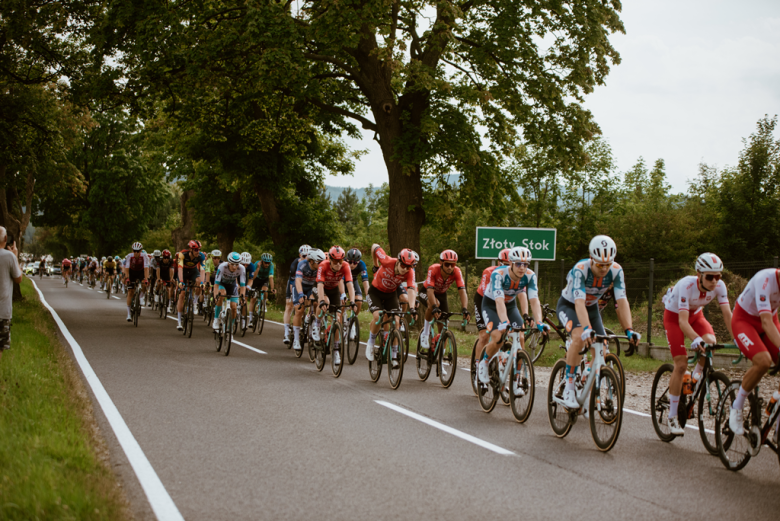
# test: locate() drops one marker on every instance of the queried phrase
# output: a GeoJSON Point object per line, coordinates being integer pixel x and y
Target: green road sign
{"type": "Point", "coordinates": [541, 241]}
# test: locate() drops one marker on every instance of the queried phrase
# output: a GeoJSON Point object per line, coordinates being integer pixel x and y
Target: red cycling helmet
{"type": "Point", "coordinates": [503, 256]}
{"type": "Point", "coordinates": [406, 257]}
{"type": "Point", "coordinates": [194, 245]}
{"type": "Point", "coordinates": [448, 256]}
{"type": "Point", "coordinates": [166, 254]}
{"type": "Point", "coordinates": [336, 253]}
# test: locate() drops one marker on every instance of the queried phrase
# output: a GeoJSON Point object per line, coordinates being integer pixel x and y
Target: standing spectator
{"type": "Point", "coordinates": [9, 273]}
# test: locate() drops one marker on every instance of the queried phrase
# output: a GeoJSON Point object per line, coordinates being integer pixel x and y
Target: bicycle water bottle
{"type": "Point", "coordinates": [772, 402]}
{"type": "Point", "coordinates": [436, 339]}
{"type": "Point", "coordinates": [687, 387]}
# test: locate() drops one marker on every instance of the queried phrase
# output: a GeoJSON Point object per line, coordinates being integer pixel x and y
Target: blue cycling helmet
{"type": "Point", "coordinates": [266, 257]}
{"type": "Point", "coordinates": [234, 258]}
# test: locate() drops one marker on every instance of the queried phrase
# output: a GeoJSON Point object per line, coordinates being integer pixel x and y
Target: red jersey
{"type": "Point", "coordinates": [329, 278]}
{"type": "Point", "coordinates": [437, 281]}
{"type": "Point", "coordinates": [386, 279]}
{"type": "Point", "coordinates": [485, 280]}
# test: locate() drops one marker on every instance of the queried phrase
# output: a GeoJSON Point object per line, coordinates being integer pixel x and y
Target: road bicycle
{"type": "Point", "coordinates": [511, 371]}
{"type": "Point", "coordinates": [707, 393]}
{"type": "Point", "coordinates": [209, 303]}
{"type": "Point", "coordinates": [135, 304]}
{"type": "Point", "coordinates": [442, 352]}
{"type": "Point", "coordinates": [305, 341]}
{"type": "Point", "coordinates": [243, 323]}
{"type": "Point", "coordinates": [223, 337]}
{"type": "Point", "coordinates": [735, 451]}
{"type": "Point", "coordinates": [389, 351]}
{"type": "Point", "coordinates": [164, 299]}
{"type": "Point", "coordinates": [535, 350]}
{"type": "Point", "coordinates": [188, 314]}
{"type": "Point", "coordinates": [261, 306]}
{"type": "Point", "coordinates": [330, 342]}
{"type": "Point", "coordinates": [600, 388]}
{"type": "Point", "coordinates": [352, 335]}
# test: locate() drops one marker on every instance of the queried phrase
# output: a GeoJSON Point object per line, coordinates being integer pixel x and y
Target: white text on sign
{"type": "Point", "coordinates": [531, 245]}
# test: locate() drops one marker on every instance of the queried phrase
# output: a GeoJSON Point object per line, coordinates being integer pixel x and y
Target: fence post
{"type": "Point", "coordinates": [650, 306]}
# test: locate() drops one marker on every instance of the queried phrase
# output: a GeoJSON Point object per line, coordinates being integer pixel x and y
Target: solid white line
{"type": "Point", "coordinates": [237, 342]}
{"type": "Point", "coordinates": [112, 296]}
{"type": "Point", "coordinates": [161, 502]}
{"type": "Point", "coordinates": [449, 430]}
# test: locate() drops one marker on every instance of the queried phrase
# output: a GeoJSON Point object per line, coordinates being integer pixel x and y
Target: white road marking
{"type": "Point", "coordinates": [112, 296]}
{"type": "Point", "coordinates": [449, 430]}
{"type": "Point", "coordinates": [159, 499]}
{"type": "Point", "coordinates": [237, 342]}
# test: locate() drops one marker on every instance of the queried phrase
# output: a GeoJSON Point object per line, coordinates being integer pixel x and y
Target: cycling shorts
{"type": "Point", "coordinates": [260, 283]}
{"type": "Point", "coordinates": [165, 274]}
{"type": "Point", "coordinates": [334, 299]}
{"type": "Point", "coordinates": [675, 335]}
{"type": "Point", "coordinates": [490, 314]}
{"type": "Point", "coordinates": [288, 294]}
{"type": "Point", "coordinates": [358, 290]}
{"type": "Point", "coordinates": [109, 271]}
{"type": "Point", "coordinates": [481, 325]}
{"type": "Point", "coordinates": [567, 317]}
{"type": "Point", "coordinates": [749, 334]}
{"type": "Point", "coordinates": [400, 290]}
{"type": "Point", "coordinates": [441, 297]}
{"type": "Point", "coordinates": [65, 269]}
{"type": "Point", "coordinates": [308, 292]}
{"type": "Point", "coordinates": [231, 291]}
{"type": "Point", "coordinates": [190, 274]}
{"type": "Point", "coordinates": [136, 275]}
{"type": "Point", "coordinates": [379, 300]}
{"type": "Point", "coordinates": [92, 268]}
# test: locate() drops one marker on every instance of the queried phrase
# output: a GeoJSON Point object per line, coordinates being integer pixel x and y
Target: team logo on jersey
{"type": "Point", "coordinates": [683, 300]}
{"type": "Point", "coordinates": [744, 339]}
{"type": "Point", "coordinates": [389, 284]}
{"type": "Point", "coordinates": [762, 298]}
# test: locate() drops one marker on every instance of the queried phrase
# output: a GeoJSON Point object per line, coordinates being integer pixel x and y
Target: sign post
{"type": "Point", "coordinates": [541, 241]}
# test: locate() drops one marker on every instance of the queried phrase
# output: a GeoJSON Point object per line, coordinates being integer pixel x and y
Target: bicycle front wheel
{"type": "Point", "coordinates": [522, 387]}
{"type": "Point", "coordinates": [659, 402]}
{"type": "Point", "coordinates": [606, 410]}
{"type": "Point", "coordinates": [352, 335]}
{"type": "Point", "coordinates": [375, 365]}
{"type": "Point", "coordinates": [218, 340]}
{"type": "Point", "coordinates": [423, 361]}
{"type": "Point", "coordinates": [405, 334]}
{"type": "Point", "coordinates": [535, 342]}
{"type": "Point", "coordinates": [190, 319]}
{"type": "Point", "coordinates": [560, 418]}
{"type": "Point", "coordinates": [448, 359]}
{"type": "Point", "coordinates": [488, 395]}
{"type": "Point", "coordinates": [614, 363]}
{"type": "Point", "coordinates": [474, 384]}
{"type": "Point", "coordinates": [395, 367]}
{"type": "Point", "coordinates": [734, 451]}
{"type": "Point", "coordinates": [709, 399]}
{"type": "Point", "coordinates": [336, 350]}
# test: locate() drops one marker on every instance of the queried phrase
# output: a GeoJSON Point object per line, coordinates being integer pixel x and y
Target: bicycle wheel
{"type": "Point", "coordinates": [333, 348]}
{"type": "Point", "coordinates": [423, 360]}
{"type": "Point", "coordinates": [488, 393]}
{"type": "Point", "coordinates": [734, 451]}
{"type": "Point", "coordinates": [136, 308]}
{"type": "Point", "coordinates": [709, 399]}
{"type": "Point", "coordinates": [448, 359]}
{"type": "Point", "coordinates": [474, 386]}
{"type": "Point", "coordinates": [218, 340]}
{"type": "Point", "coordinates": [353, 339]}
{"type": "Point", "coordinates": [606, 410]}
{"type": "Point", "coordinates": [405, 334]}
{"type": "Point", "coordinates": [228, 338]}
{"type": "Point", "coordinates": [614, 347]}
{"type": "Point", "coordinates": [310, 345]}
{"type": "Point", "coordinates": [243, 321]}
{"type": "Point", "coordinates": [659, 402]}
{"type": "Point", "coordinates": [535, 343]}
{"type": "Point", "coordinates": [614, 363]}
{"type": "Point", "coordinates": [190, 319]}
{"type": "Point", "coordinates": [560, 418]}
{"type": "Point", "coordinates": [522, 387]}
{"type": "Point", "coordinates": [108, 290]}
{"type": "Point", "coordinates": [375, 365]}
{"type": "Point", "coordinates": [395, 366]}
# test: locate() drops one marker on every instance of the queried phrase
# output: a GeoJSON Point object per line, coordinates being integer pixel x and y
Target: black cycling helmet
{"type": "Point", "coordinates": [354, 255]}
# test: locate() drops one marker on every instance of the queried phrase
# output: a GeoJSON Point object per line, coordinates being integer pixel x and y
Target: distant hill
{"type": "Point", "coordinates": [335, 191]}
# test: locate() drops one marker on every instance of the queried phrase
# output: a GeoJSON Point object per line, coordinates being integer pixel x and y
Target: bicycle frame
{"type": "Point", "coordinates": [600, 346]}
{"type": "Point", "coordinates": [504, 372]}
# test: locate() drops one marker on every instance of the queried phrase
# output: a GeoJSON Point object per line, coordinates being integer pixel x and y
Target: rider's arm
{"type": "Point", "coordinates": [624, 314]}
{"type": "Point", "coordinates": [682, 321]}
{"type": "Point", "coordinates": [536, 308]}
{"type": "Point", "coordinates": [271, 282]}
{"type": "Point", "coordinates": [522, 299]}
{"type": "Point", "coordinates": [432, 302]}
{"type": "Point", "coordinates": [464, 298]}
{"type": "Point", "coordinates": [726, 310]}
{"type": "Point", "coordinates": [501, 310]}
{"type": "Point", "coordinates": [582, 313]}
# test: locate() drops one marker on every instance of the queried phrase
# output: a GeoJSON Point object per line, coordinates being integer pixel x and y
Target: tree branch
{"type": "Point", "coordinates": [367, 123]}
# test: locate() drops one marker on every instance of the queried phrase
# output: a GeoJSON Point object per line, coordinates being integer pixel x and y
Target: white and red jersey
{"type": "Point", "coordinates": [485, 280]}
{"type": "Point", "coordinates": [329, 278]}
{"type": "Point", "coordinates": [134, 263]}
{"type": "Point", "coordinates": [386, 280]}
{"type": "Point", "coordinates": [762, 293]}
{"type": "Point", "coordinates": [685, 295]}
{"type": "Point", "coordinates": [437, 281]}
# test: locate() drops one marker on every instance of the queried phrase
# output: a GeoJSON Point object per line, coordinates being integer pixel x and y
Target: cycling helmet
{"type": "Point", "coordinates": [448, 256]}
{"type": "Point", "coordinates": [156, 253]}
{"type": "Point", "coordinates": [102, 259]}
{"type": "Point", "coordinates": [304, 250]}
{"type": "Point", "coordinates": [246, 257]}
{"type": "Point", "coordinates": [194, 245]}
{"type": "Point", "coordinates": [406, 257]}
{"type": "Point", "coordinates": [166, 254]}
{"type": "Point", "coordinates": [316, 256]}
{"type": "Point", "coordinates": [233, 257]}
{"type": "Point", "coordinates": [416, 257]}
{"type": "Point", "coordinates": [709, 262]}
{"type": "Point", "coordinates": [336, 253]}
{"type": "Point", "coordinates": [602, 249]}
{"type": "Point", "coordinates": [120, 258]}
{"type": "Point", "coordinates": [266, 257]}
{"type": "Point", "coordinates": [519, 254]}
{"type": "Point", "coordinates": [216, 253]}
{"type": "Point", "coordinates": [137, 246]}
{"type": "Point", "coordinates": [503, 255]}
{"type": "Point", "coordinates": [354, 255]}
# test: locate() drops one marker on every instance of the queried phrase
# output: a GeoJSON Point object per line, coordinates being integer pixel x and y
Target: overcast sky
{"type": "Point", "coordinates": [695, 78]}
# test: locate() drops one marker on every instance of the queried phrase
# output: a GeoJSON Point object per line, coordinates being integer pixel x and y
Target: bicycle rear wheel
{"type": "Point", "coordinates": [353, 339]}
{"type": "Point", "coordinates": [405, 334]}
{"type": "Point", "coordinates": [709, 399]}
{"type": "Point", "coordinates": [614, 363]}
{"type": "Point", "coordinates": [333, 348]}
{"type": "Point", "coordinates": [243, 320]}
{"type": "Point", "coordinates": [228, 340]}
{"type": "Point", "coordinates": [606, 410]}
{"type": "Point", "coordinates": [448, 359]}
{"type": "Point", "coordinates": [218, 340]}
{"type": "Point", "coordinates": [659, 402]}
{"type": "Point", "coordinates": [522, 387]}
{"type": "Point", "coordinates": [560, 418]}
{"type": "Point", "coordinates": [395, 366]}
{"type": "Point", "coordinates": [190, 319]}
{"type": "Point", "coordinates": [136, 307]}
{"type": "Point", "coordinates": [487, 393]}
{"type": "Point", "coordinates": [535, 342]}
{"type": "Point", "coordinates": [423, 359]}
{"type": "Point", "coordinates": [108, 290]}
{"type": "Point", "coordinates": [375, 365]}
{"type": "Point", "coordinates": [734, 451]}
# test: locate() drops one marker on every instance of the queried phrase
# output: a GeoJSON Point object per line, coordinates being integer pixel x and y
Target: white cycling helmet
{"type": "Point", "coordinates": [519, 254]}
{"type": "Point", "coordinates": [246, 257]}
{"type": "Point", "coordinates": [316, 256]}
{"type": "Point", "coordinates": [156, 253]}
{"type": "Point", "coordinates": [137, 246]}
{"type": "Point", "coordinates": [602, 249]}
{"type": "Point", "coordinates": [709, 262]}
{"type": "Point", "coordinates": [216, 253]}
{"type": "Point", "coordinates": [304, 250]}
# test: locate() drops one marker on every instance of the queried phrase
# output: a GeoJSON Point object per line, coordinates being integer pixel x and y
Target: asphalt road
{"type": "Point", "coordinates": [265, 436]}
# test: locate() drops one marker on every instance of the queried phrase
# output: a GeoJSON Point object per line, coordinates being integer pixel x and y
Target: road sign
{"type": "Point", "coordinates": [541, 241]}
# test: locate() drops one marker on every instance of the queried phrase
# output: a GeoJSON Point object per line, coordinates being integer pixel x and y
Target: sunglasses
{"type": "Point", "coordinates": [353, 262]}
{"type": "Point", "coordinates": [449, 264]}
{"type": "Point", "coordinates": [405, 266]}
{"type": "Point", "coordinates": [602, 265]}
{"type": "Point", "coordinates": [712, 277]}
{"type": "Point", "coordinates": [521, 264]}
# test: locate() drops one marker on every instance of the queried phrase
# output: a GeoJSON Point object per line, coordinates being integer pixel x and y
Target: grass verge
{"type": "Point", "coordinates": [53, 462]}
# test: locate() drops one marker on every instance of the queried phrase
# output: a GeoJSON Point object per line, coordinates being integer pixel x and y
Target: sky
{"type": "Point", "coordinates": [695, 78]}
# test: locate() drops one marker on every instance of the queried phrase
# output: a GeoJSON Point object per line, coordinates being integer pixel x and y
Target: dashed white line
{"type": "Point", "coordinates": [237, 342]}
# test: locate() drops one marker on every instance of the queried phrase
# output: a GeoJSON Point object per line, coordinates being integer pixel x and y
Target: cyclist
{"type": "Point", "coordinates": [359, 275]}
{"type": "Point", "coordinates": [499, 308]}
{"type": "Point", "coordinates": [683, 317]}
{"type": "Point", "coordinates": [482, 332]}
{"type": "Point", "coordinates": [136, 268]}
{"type": "Point", "coordinates": [333, 274]}
{"type": "Point", "coordinates": [382, 294]}
{"type": "Point", "coordinates": [42, 267]}
{"type": "Point", "coordinates": [228, 273]}
{"type": "Point", "coordinates": [109, 270]}
{"type": "Point", "coordinates": [165, 269]}
{"type": "Point", "coordinates": [154, 263]}
{"type": "Point", "coordinates": [190, 263]}
{"type": "Point", "coordinates": [211, 265]}
{"type": "Point", "coordinates": [440, 278]}
{"type": "Point", "coordinates": [757, 333]}
{"type": "Point", "coordinates": [578, 308]}
{"type": "Point", "coordinates": [263, 281]}
{"type": "Point", "coordinates": [303, 251]}
{"type": "Point", "coordinates": [305, 279]}
{"type": "Point", "coordinates": [66, 264]}
{"type": "Point", "coordinates": [92, 269]}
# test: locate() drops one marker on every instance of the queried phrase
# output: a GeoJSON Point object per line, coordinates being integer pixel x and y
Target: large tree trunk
{"type": "Point", "coordinates": [272, 221]}
{"type": "Point", "coordinates": [225, 239]}
{"type": "Point", "coordinates": [184, 233]}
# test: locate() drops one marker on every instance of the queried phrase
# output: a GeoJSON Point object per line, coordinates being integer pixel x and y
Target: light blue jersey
{"type": "Point", "coordinates": [501, 285]}
{"type": "Point", "coordinates": [581, 284]}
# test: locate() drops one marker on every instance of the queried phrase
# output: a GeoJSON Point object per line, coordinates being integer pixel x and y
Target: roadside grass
{"type": "Point", "coordinates": [53, 463]}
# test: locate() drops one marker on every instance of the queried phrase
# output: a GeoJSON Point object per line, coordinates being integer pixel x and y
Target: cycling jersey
{"type": "Point", "coordinates": [293, 269]}
{"type": "Point", "coordinates": [329, 278]}
{"type": "Point", "coordinates": [109, 265]}
{"type": "Point", "coordinates": [386, 280]}
{"type": "Point", "coordinates": [250, 270]}
{"type": "Point", "coordinates": [188, 262]}
{"type": "Point", "coordinates": [360, 271]}
{"type": "Point", "coordinates": [581, 284]}
{"type": "Point", "coordinates": [762, 293]}
{"type": "Point", "coordinates": [226, 277]}
{"type": "Point", "coordinates": [65, 264]}
{"type": "Point", "coordinates": [264, 273]}
{"type": "Point", "coordinates": [165, 266]}
{"type": "Point", "coordinates": [208, 266]}
{"type": "Point", "coordinates": [154, 264]}
{"type": "Point", "coordinates": [436, 280]}
{"type": "Point", "coordinates": [92, 265]}
{"type": "Point", "coordinates": [685, 295]}
{"type": "Point", "coordinates": [306, 273]}
{"type": "Point", "coordinates": [501, 285]}
{"type": "Point", "coordinates": [134, 263]}
{"type": "Point", "coordinates": [485, 280]}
